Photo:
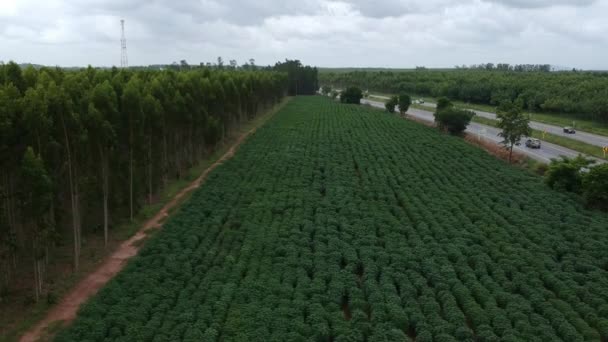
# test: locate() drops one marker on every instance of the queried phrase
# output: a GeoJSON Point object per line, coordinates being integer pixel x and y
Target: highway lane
{"type": "Point", "coordinates": [544, 154]}
{"type": "Point", "coordinates": [589, 138]}
{"type": "Point", "coordinates": [593, 139]}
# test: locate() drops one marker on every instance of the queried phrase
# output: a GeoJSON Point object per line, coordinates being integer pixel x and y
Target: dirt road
{"type": "Point", "coordinates": [67, 308]}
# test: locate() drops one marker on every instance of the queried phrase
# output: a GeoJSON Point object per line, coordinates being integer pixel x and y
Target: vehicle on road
{"type": "Point", "coordinates": [569, 130]}
{"type": "Point", "coordinates": [532, 143]}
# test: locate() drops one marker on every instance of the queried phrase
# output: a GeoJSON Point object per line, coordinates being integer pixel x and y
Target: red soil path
{"type": "Point", "coordinates": [66, 310]}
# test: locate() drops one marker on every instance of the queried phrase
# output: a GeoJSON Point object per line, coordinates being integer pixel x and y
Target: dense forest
{"type": "Point", "coordinates": [582, 94]}
{"type": "Point", "coordinates": [83, 150]}
{"type": "Point", "coordinates": [302, 80]}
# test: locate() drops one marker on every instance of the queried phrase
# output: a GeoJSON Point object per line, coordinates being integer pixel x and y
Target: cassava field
{"type": "Point", "coordinates": [341, 223]}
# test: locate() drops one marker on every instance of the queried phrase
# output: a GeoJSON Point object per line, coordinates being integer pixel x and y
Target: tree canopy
{"type": "Point", "coordinates": [351, 95]}
{"type": "Point", "coordinates": [514, 124]}
{"type": "Point", "coordinates": [302, 80]}
{"type": "Point", "coordinates": [583, 95]}
{"type": "Point", "coordinates": [82, 151]}
{"type": "Point", "coordinates": [454, 120]}
{"type": "Point", "coordinates": [404, 103]}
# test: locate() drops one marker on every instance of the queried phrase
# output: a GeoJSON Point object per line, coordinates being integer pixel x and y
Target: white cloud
{"type": "Point", "coordinates": [395, 33]}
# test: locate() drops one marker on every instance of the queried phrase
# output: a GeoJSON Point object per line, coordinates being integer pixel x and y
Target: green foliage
{"type": "Point", "coordinates": [595, 187]}
{"type": "Point", "coordinates": [565, 173]}
{"type": "Point", "coordinates": [326, 90]}
{"type": "Point", "coordinates": [582, 95]}
{"type": "Point", "coordinates": [443, 103]}
{"type": "Point", "coordinates": [404, 103]}
{"type": "Point", "coordinates": [454, 120]}
{"type": "Point", "coordinates": [301, 80]}
{"type": "Point", "coordinates": [79, 148]}
{"type": "Point", "coordinates": [391, 104]}
{"type": "Point", "coordinates": [351, 95]}
{"type": "Point", "coordinates": [37, 185]}
{"type": "Point", "coordinates": [514, 125]}
{"type": "Point", "coordinates": [335, 223]}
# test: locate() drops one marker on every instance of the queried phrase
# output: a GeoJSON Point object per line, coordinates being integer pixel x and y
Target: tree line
{"type": "Point", "coordinates": [301, 80]}
{"type": "Point", "coordinates": [508, 67]}
{"type": "Point", "coordinates": [583, 95]}
{"type": "Point", "coordinates": [81, 151]}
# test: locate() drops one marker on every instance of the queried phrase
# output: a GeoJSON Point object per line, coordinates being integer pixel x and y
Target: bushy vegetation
{"type": "Point", "coordinates": [452, 119]}
{"type": "Point", "coordinates": [352, 95]}
{"type": "Point", "coordinates": [404, 101]}
{"type": "Point", "coordinates": [81, 151]}
{"type": "Point", "coordinates": [391, 104]}
{"type": "Point", "coordinates": [578, 175]}
{"type": "Point", "coordinates": [595, 187]}
{"type": "Point", "coordinates": [566, 173]}
{"type": "Point", "coordinates": [581, 94]}
{"type": "Point", "coordinates": [333, 223]}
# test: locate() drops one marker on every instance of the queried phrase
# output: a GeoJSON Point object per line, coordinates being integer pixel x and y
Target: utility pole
{"type": "Point", "coordinates": [124, 61]}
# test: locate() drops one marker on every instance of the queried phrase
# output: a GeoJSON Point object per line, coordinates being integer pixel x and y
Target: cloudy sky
{"type": "Point", "coordinates": [382, 33]}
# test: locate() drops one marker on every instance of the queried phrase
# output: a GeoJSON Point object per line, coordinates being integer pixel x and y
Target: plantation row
{"type": "Point", "coordinates": [582, 94]}
{"type": "Point", "coordinates": [82, 151]}
{"type": "Point", "coordinates": [340, 223]}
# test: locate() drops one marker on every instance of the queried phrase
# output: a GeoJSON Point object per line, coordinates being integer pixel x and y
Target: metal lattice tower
{"type": "Point", "coordinates": [124, 61]}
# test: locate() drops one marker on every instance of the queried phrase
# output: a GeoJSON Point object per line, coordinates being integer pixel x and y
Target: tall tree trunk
{"type": "Point", "coordinates": [177, 152]}
{"type": "Point", "coordinates": [77, 208]}
{"type": "Point", "coordinates": [150, 169]}
{"type": "Point", "coordinates": [510, 153]}
{"type": "Point", "coordinates": [131, 184]}
{"type": "Point", "coordinates": [12, 253]}
{"type": "Point", "coordinates": [191, 138]}
{"type": "Point", "coordinates": [104, 191]}
{"type": "Point", "coordinates": [165, 161]}
{"type": "Point", "coordinates": [37, 275]}
{"type": "Point", "coordinates": [36, 287]}
{"type": "Point", "coordinates": [73, 198]}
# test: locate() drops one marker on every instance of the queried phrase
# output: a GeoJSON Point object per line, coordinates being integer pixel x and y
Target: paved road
{"type": "Point", "coordinates": [543, 154]}
{"type": "Point", "coordinates": [592, 139]}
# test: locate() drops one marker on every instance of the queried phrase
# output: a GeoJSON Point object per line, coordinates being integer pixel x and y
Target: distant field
{"type": "Point", "coordinates": [341, 223]}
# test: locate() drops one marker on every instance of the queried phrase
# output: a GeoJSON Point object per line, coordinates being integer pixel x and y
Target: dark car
{"type": "Point", "coordinates": [569, 130]}
{"type": "Point", "coordinates": [532, 143]}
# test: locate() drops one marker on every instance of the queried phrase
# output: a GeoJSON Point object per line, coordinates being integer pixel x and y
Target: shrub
{"type": "Point", "coordinates": [565, 174]}
{"type": "Point", "coordinates": [595, 187]}
{"type": "Point", "coordinates": [443, 103]}
{"type": "Point", "coordinates": [391, 104]}
{"type": "Point", "coordinates": [404, 103]}
{"type": "Point", "coordinates": [453, 120]}
{"type": "Point", "coordinates": [351, 95]}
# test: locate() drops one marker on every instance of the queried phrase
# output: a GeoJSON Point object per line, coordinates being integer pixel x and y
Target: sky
{"type": "Point", "coordinates": [347, 33]}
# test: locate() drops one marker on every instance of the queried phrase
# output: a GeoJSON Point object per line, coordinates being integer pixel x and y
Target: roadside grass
{"type": "Point", "coordinates": [24, 316]}
{"type": "Point", "coordinates": [572, 144]}
{"type": "Point", "coordinates": [561, 120]}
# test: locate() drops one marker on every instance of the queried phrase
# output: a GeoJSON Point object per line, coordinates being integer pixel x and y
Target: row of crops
{"type": "Point", "coordinates": [340, 223]}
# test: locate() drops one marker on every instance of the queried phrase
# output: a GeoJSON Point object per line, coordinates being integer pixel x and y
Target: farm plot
{"type": "Point", "coordinates": [339, 223]}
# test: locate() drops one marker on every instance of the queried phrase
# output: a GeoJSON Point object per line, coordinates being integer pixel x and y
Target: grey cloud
{"type": "Point", "coordinates": [396, 33]}
{"type": "Point", "coordinates": [396, 8]}
{"type": "Point", "coordinates": [542, 3]}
